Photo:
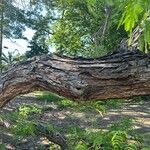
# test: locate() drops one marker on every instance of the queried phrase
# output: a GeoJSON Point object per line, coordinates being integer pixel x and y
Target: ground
{"type": "Point", "coordinates": [66, 115]}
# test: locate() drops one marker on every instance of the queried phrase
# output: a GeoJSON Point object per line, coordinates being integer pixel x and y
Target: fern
{"type": "Point", "coordinates": [136, 12]}
{"type": "Point", "coordinates": [81, 146]}
{"type": "Point", "coordinates": [118, 140]}
{"type": "Point", "coordinates": [130, 147]}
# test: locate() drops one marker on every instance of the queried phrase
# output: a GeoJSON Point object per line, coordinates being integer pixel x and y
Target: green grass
{"type": "Point", "coordinates": [50, 97]}
{"type": "Point", "coordinates": [124, 124]}
{"type": "Point", "coordinates": [64, 103]}
{"type": "Point", "coordinates": [23, 128]}
{"type": "Point", "coordinates": [2, 146]}
{"type": "Point", "coordinates": [146, 148]}
{"type": "Point", "coordinates": [26, 110]}
{"type": "Point", "coordinates": [22, 125]}
{"type": "Point", "coordinates": [47, 96]}
{"type": "Point", "coordinates": [114, 103]}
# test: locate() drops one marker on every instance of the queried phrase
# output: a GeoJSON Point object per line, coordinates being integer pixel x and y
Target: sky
{"type": "Point", "coordinates": [19, 44]}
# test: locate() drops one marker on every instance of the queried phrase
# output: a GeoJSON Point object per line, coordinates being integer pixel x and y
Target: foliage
{"type": "Point", "coordinates": [118, 136]}
{"type": "Point", "coordinates": [39, 16]}
{"type": "Point", "coordinates": [77, 28]}
{"type": "Point", "coordinates": [81, 146]}
{"type": "Point", "coordinates": [8, 60]}
{"type": "Point", "coordinates": [113, 139]}
{"type": "Point", "coordinates": [89, 27]}
{"type": "Point", "coordinates": [136, 12]}
{"type": "Point", "coordinates": [2, 146]}
{"type": "Point", "coordinates": [37, 46]}
{"type": "Point", "coordinates": [63, 103]}
{"type": "Point", "coordinates": [86, 29]}
{"type": "Point", "coordinates": [14, 18]}
{"type": "Point", "coordinates": [26, 110]}
{"type": "Point", "coordinates": [23, 126]}
{"type": "Point", "coordinates": [124, 124]}
{"type": "Point", "coordinates": [66, 103]}
{"type": "Point", "coordinates": [114, 103]}
{"type": "Point", "coordinates": [46, 96]}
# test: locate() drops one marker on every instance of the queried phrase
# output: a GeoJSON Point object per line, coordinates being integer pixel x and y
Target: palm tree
{"type": "Point", "coordinates": [10, 59]}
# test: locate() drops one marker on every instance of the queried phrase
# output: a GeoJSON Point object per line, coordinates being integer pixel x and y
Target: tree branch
{"type": "Point", "coordinates": [117, 75]}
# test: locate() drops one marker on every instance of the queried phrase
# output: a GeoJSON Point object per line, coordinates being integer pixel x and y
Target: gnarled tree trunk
{"type": "Point", "coordinates": [118, 75]}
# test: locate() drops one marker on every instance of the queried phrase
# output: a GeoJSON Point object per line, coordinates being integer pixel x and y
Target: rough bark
{"type": "Point", "coordinates": [56, 138]}
{"type": "Point", "coordinates": [118, 75]}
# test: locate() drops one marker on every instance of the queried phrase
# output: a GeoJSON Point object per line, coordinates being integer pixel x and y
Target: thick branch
{"type": "Point", "coordinates": [56, 138]}
{"type": "Point", "coordinates": [117, 75]}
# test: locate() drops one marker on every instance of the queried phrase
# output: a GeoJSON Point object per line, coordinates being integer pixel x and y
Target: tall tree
{"type": "Point", "coordinates": [40, 16]}
{"type": "Point", "coordinates": [76, 27]}
{"type": "Point", "coordinates": [12, 21]}
{"type": "Point", "coordinates": [87, 27]}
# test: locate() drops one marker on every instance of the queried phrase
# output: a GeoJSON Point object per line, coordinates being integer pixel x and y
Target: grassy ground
{"type": "Point", "coordinates": [93, 125]}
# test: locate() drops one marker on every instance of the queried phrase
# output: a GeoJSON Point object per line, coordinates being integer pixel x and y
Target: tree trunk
{"type": "Point", "coordinates": [118, 75]}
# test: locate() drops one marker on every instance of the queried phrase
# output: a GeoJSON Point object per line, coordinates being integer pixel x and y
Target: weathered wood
{"type": "Point", "coordinates": [56, 138]}
{"type": "Point", "coordinates": [118, 75]}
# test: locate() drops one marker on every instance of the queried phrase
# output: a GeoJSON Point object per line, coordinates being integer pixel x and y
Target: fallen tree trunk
{"type": "Point", "coordinates": [118, 75]}
{"type": "Point", "coordinates": [56, 138]}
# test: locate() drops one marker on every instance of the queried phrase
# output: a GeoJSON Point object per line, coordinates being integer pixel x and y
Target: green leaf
{"type": "Point", "coordinates": [91, 2]}
{"type": "Point", "coordinates": [109, 2]}
{"type": "Point", "coordinates": [81, 146]}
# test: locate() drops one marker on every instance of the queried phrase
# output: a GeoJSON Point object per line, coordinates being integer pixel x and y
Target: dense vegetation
{"type": "Point", "coordinates": [86, 28]}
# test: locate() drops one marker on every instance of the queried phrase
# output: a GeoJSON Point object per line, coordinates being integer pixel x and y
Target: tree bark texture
{"type": "Point", "coordinates": [117, 75]}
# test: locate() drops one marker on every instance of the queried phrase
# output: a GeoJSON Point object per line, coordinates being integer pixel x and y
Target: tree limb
{"type": "Point", "coordinates": [56, 138]}
{"type": "Point", "coordinates": [117, 75]}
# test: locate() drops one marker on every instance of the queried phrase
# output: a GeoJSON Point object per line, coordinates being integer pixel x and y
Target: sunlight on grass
{"type": "Point", "coordinates": [46, 96]}
{"type": "Point", "coordinates": [65, 103]}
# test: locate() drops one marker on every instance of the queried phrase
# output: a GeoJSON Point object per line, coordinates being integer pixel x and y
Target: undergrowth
{"type": "Point", "coordinates": [119, 135]}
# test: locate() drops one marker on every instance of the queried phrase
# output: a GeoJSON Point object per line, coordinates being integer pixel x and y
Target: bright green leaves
{"type": "Point", "coordinates": [91, 2]}
{"type": "Point", "coordinates": [118, 140]}
{"type": "Point", "coordinates": [25, 110]}
{"type": "Point", "coordinates": [109, 2]}
{"type": "Point", "coordinates": [131, 15]}
{"type": "Point", "coordinates": [147, 35]}
{"type": "Point", "coordinates": [79, 31]}
{"type": "Point", "coordinates": [147, 31]}
{"type": "Point", "coordinates": [136, 12]}
{"type": "Point", "coordinates": [81, 146]}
